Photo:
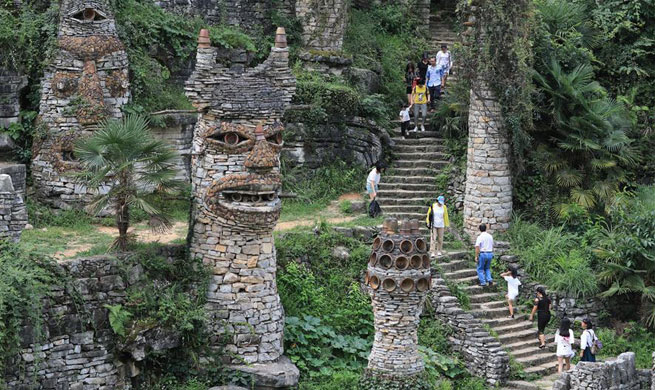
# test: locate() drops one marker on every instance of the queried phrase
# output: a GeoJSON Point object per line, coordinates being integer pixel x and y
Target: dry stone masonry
{"type": "Point", "coordinates": [398, 280]}
{"type": "Point", "coordinates": [324, 23]}
{"type": "Point", "coordinates": [87, 82]}
{"type": "Point", "coordinates": [177, 130]}
{"type": "Point", "coordinates": [236, 182]}
{"type": "Point", "coordinates": [488, 194]}
{"type": "Point", "coordinates": [11, 83]}
{"type": "Point", "coordinates": [13, 214]}
{"type": "Point", "coordinates": [616, 374]}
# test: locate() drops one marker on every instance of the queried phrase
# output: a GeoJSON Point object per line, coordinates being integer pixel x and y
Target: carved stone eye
{"type": "Point", "coordinates": [230, 138]}
{"type": "Point", "coordinates": [275, 139]}
{"type": "Point", "coordinates": [88, 15]}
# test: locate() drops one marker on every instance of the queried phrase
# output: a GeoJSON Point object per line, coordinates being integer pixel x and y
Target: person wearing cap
{"type": "Point", "coordinates": [445, 63]}
{"type": "Point", "coordinates": [437, 221]}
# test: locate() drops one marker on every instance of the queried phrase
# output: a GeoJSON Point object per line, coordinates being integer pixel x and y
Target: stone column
{"type": "Point", "coordinates": [488, 194]}
{"type": "Point", "coordinates": [11, 84]}
{"type": "Point", "coordinates": [397, 279]}
{"type": "Point", "coordinates": [652, 383]}
{"type": "Point", "coordinates": [86, 83]}
{"type": "Point", "coordinates": [13, 214]}
{"type": "Point", "coordinates": [236, 181]}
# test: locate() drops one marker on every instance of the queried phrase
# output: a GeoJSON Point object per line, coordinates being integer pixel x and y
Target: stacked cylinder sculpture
{"type": "Point", "coordinates": [398, 280]}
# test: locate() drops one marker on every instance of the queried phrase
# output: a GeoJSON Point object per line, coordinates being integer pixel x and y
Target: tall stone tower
{"type": "Point", "coordinates": [236, 182]}
{"type": "Point", "coordinates": [86, 83]}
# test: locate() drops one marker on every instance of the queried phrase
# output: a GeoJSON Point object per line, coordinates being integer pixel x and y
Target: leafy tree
{"type": "Point", "coordinates": [124, 163]}
{"type": "Point", "coordinates": [584, 144]}
{"type": "Point", "coordinates": [627, 247]}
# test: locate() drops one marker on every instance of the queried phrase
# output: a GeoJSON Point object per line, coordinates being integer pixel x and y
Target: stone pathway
{"type": "Point", "coordinates": [518, 335]}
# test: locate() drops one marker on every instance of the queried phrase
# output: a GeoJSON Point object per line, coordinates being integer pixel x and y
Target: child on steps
{"type": "Point", "coordinates": [513, 283]}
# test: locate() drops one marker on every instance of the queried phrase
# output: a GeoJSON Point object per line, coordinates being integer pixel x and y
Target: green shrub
{"type": "Point", "coordinates": [573, 275]}
{"type": "Point", "coordinates": [338, 100]}
{"type": "Point", "coordinates": [634, 338]}
{"type": "Point", "coordinates": [322, 184]}
{"type": "Point", "coordinates": [41, 216]}
{"type": "Point", "coordinates": [460, 293]}
{"type": "Point", "coordinates": [345, 207]}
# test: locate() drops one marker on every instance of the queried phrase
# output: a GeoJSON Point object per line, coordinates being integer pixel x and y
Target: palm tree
{"type": "Point", "coordinates": [124, 163]}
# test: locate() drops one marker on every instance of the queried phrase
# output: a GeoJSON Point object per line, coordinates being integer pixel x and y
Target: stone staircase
{"type": "Point", "coordinates": [441, 31]}
{"type": "Point", "coordinates": [517, 335]}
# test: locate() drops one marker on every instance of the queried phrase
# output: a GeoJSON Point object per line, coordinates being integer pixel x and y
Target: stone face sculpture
{"type": "Point", "coordinates": [398, 279]}
{"type": "Point", "coordinates": [236, 180]}
{"type": "Point", "coordinates": [86, 83]}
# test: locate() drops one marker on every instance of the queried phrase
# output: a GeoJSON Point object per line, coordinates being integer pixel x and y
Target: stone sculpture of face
{"type": "Point", "coordinates": [245, 173]}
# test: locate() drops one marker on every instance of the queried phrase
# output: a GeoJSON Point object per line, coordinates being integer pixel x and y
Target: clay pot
{"type": "Point", "coordinates": [385, 261]}
{"type": "Point", "coordinates": [407, 285]}
{"type": "Point", "coordinates": [414, 226]}
{"type": "Point", "coordinates": [388, 245]}
{"type": "Point", "coordinates": [389, 285]}
{"type": "Point", "coordinates": [402, 263]}
{"type": "Point", "coordinates": [426, 261]}
{"type": "Point", "coordinates": [421, 245]}
{"type": "Point", "coordinates": [374, 282]}
{"type": "Point", "coordinates": [406, 246]}
{"type": "Point", "coordinates": [390, 225]}
{"type": "Point", "coordinates": [405, 227]}
{"type": "Point", "coordinates": [415, 262]}
{"type": "Point", "coordinates": [280, 38]}
{"type": "Point", "coordinates": [366, 277]}
{"type": "Point", "coordinates": [372, 259]}
{"type": "Point", "coordinates": [423, 284]}
{"type": "Point", "coordinates": [377, 243]}
{"type": "Point", "coordinates": [203, 39]}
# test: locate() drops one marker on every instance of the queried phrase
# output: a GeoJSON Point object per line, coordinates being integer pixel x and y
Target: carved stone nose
{"type": "Point", "coordinates": [92, 107]}
{"type": "Point", "coordinates": [262, 156]}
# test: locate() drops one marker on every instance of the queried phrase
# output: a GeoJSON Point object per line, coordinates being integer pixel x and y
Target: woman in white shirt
{"type": "Point", "coordinates": [586, 341]}
{"type": "Point", "coordinates": [373, 180]}
{"type": "Point", "coordinates": [445, 62]}
{"type": "Point", "coordinates": [513, 283]}
{"type": "Point", "coordinates": [564, 340]}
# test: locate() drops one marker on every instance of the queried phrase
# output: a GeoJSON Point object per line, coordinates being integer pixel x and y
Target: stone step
{"type": "Point", "coordinates": [412, 164]}
{"type": "Point", "coordinates": [412, 156]}
{"type": "Point", "coordinates": [523, 335]}
{"type": "Point", "coordinates": [422, 202]}
{"type": "Point", "coordinates": [519, 345]}
{"type": "Point", "coordinates": [536, 360]}
{"type": "Point", "coordinates": [502, 321]}
{"type": "Point", "coordinates": [383, 186]}
{"type": "Point", "coordinates": [462, 273]}
{"type": "Point", "coordinates": [467, 280]}
{"type": "Point", "coordinates": [479, 298]}
{"type": "Point", "coordinates": [418, 216]}
{"type": "Point", "coordinates": [542, 370]}
{"type": "Point", "coordinates": [424, 148]}
{"type": "Point", "coordinates": [495, 312]}
{"type": "Point", "coordinates": [454, 265]}
{"type": "Point", "coordinates": [520, 385]}
{"type": "Point", "coordinates": [512, 327]}
{"type": "Point", "coordinates": [405, 194]}
{"type": "Point", "coordinates": [433, 135]}
{"type": "Point", "coordinates": [417, 140]}
{"type": "Point", "coordinates": [414, 179]}
{"type": "Point", "coordinates": [413, 171]}
{"type": "Point", "coordinates": [402, 209]}
{"type": "Point", "coordinates": [490, 305]}
{"type": "Point", "coordinates": [532, 350]}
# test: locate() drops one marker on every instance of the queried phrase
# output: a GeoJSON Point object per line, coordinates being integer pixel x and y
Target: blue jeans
{"type": "Point", "coordinates": [484, 268]}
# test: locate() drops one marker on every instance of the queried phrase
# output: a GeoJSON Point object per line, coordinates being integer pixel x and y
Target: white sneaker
{"type": "Point", "coordinates": [439, 253]}
{"type": "Point", "coordinates": [422, 128]}
{"type": "Point", "coordinates": [415, 129]}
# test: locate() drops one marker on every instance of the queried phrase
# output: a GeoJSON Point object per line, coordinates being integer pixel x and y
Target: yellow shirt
{"type": "Point", "coordinates": [421, 94]}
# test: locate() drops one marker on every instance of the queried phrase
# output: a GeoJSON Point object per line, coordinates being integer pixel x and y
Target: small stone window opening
{"type": "Point", "coordinates": [89, 15]}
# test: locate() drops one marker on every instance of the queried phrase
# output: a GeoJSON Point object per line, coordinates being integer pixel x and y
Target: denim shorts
{"type": "Point", "coordinates": [369, 190]}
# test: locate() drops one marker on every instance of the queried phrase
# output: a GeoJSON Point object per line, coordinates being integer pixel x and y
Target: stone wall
{"type": "Point", "coordinates": [618, 374]}
{"type": "Point", "coordinates": [86, 82]}
{"type": "Point", "coordinates": [78, 350]}
{"type": "Point", "coordinates": [324, 23]}
{"type": "Point", "coordinates": [483, 355]}
{"type": "Point", "coordinates": [357, 141]}
{"type": "Point", "coordinates": [178, 132]}
{"type": "Point", "coordinates": [13, 213]}
{"type": "Point", "coordinates": [488, 195]}
{"type": "Point", "coordinates": [11, 84]}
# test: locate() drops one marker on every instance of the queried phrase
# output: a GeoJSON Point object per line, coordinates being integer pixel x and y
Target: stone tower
{"type": "Point", "coordinates": [87, 82]}
{"type": "Point", "coordinates": [488, 194]}
{"type": "Point", "coordinates": [398, 279]}
{"type": "Point", "coordinates": [236, 182]}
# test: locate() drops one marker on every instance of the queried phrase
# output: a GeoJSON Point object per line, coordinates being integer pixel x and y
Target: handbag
{"type": "Point", "coordinates": [374, 209]}
{"type": "Point", "coordinates": [596, 345]}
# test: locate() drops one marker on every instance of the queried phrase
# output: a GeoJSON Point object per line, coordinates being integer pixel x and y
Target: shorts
{"type": "Point", "coordinates": [408, 90]}
{"type": "Point", "coordinates": [369, 190]}
{"type": "Point", "coordinates": [512, 297]}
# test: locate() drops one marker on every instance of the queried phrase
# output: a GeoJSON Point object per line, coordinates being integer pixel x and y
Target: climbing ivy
{"type": "Point", "coordinates": [499, 51]}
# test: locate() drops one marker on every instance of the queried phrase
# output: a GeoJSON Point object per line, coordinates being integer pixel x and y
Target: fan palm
{"type": "Point", "coordinates": [124, 163]}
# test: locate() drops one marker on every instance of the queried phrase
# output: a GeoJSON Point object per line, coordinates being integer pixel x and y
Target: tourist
{"type": "Point", "coordinates": [564, 340]}
{"type": "Point", "coordinates": [421, 99]}
{"type": "Point", "coordinates": [513, 283]}
{"type": "Point", "coordinates": [422, 67]}
{"type": "Point", "coordinates": [373, 180]}
{"type": "Point", "coordinates": [437, 221]}
{"type": "Point", "coordinates": [587, 341]}
{"type": "Point", "coordinates": [445, 63]}
{"type": "Point", "coordinates": [410, 80]}
{"type": "Point", "coordinates": [433, 81]}
{"type": "Point", "coordinates": [484, 247]}
{"type": "Point", "coordinates": [542, 308]}
{"type": "Point", "coordinates": [404, 120]}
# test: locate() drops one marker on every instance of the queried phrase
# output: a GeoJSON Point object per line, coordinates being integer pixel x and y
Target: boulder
{"type": "Point", "coordinates": [367, 81]}
{"type": "Point", "coordinates": [282, 374]}
{"type": "Point", "coordinates": [341, 253]}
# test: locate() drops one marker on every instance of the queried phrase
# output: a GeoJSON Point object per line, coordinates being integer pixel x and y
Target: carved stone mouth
{"type": "Point", "coordinates": [255, 198]}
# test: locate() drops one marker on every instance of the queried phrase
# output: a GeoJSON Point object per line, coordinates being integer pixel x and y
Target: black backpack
{"type": "Point", "coordinates": [374, 209]}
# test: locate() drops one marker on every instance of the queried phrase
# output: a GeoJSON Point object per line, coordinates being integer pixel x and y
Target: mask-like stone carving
{"type": "Point", "coordinates": [87, 82]}
{"type": "Point", "coordinates": [236, 183]}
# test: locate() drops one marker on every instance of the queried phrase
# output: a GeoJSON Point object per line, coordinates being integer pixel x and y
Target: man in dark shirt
{"type": "Point", "coordinates": [423, 67]}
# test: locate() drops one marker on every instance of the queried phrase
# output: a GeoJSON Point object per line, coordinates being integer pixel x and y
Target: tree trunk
{"type": "Point", "coordinates": [123, 223]}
